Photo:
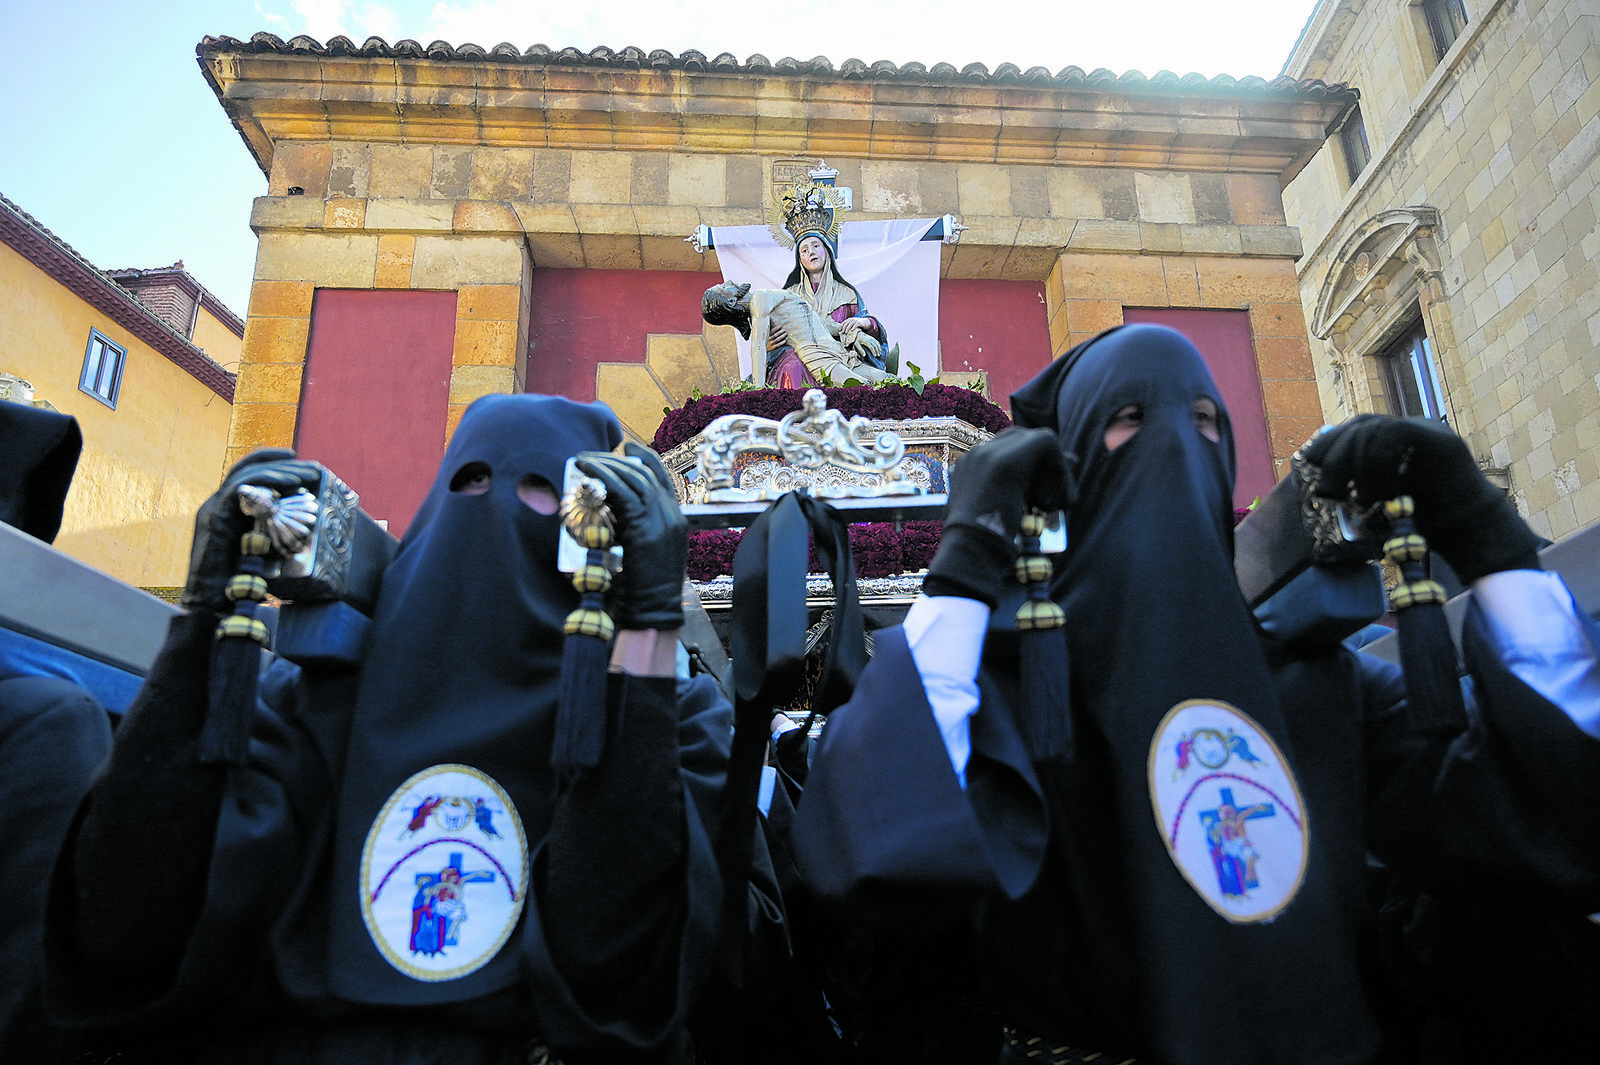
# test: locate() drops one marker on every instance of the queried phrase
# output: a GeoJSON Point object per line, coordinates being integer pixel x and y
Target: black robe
{"type": "Point", "coordinates": [1191, 885]}
{"type": "Point", "coordinates": [245, 907]}
{"type": "Point", "coordinates": [53, 735]}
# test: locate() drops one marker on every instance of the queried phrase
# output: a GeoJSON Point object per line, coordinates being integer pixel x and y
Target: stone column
{"type": "Point", "coordinates": [475, 248]}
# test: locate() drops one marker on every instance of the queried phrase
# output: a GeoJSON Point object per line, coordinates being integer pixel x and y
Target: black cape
{"type": "Point", "coordinates": [613, 926]}
{"type": "Point", "coordinates": [1092, 932]}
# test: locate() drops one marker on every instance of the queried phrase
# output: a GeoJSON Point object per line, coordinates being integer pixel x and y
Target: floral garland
{"type": "Point", "coordinates": [876, 547]}
{"type": "Point", "coordinates": [884, 401]}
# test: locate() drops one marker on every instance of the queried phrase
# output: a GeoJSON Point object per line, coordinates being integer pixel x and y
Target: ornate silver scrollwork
{"type": "Point", "coordinates": [811, 438]}
{"type": "Point", "coordinates": [1340, 531]}
{"type": "Point", "coordinates": [313, 537]}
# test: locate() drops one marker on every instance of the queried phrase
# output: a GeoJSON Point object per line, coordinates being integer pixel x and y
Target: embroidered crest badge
{"type": "Point", "coordinates": [1229, 810]}
{"type": "Point", "coordinates": [444, 873]}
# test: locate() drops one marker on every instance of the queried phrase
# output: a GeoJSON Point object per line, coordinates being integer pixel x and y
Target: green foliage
{"type": "Point", "coordinates": [891, 359]}
{"type": "Point", "coordinates": [915, 381]}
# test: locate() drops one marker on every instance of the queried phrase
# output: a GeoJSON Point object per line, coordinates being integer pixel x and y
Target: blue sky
{"type": "Point", "coordinates": [111, 138]}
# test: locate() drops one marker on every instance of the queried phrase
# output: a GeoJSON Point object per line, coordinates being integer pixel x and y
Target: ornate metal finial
{"type": "Point", "coordinates": [1340, 530]}
{"type": "Point", "coordinates": [822, 173]}
{"type": "Point", "coordinates": [585, 514]}
{"type": "Point", "coordinates": [310, 536]}
{"type": "Point", "coordinates": [287, 520]}
{"type": "Point", "coordinates": [810, 438]}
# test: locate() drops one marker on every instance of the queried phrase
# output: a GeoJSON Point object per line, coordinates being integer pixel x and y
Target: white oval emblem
{"type": "Point", "coordinates": [1228, 809]}
{"type": "Point", "coordinates": [444, 873]}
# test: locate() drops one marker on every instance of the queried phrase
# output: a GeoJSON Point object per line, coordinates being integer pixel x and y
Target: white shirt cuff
{"type": "Point", "coordinates": [945, 635]}
{"type": "Point", "coordinates": [1534, 623]}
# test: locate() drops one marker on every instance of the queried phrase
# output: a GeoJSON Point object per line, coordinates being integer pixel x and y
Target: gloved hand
{"type": "Point", "coordinates": [990, 489]}
{"type": "Point", "coordinates": [219, 524]}
{"type": "Point", "coordinates": [1462, 516]}
{"type": "Point", "coordinates": [648, 593]}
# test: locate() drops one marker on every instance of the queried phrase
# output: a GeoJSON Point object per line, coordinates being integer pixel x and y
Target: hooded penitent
{"type": "Point", "coordinates": [447, 782]}
{"type": "Point", "coordinates": [369, 891]}
{"type": "Point", "coordinates": [1180, 898]}
{"type": "Point", "coordinates": [41, 451]}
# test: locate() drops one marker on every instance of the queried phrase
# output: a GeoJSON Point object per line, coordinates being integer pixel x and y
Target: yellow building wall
{"type": "Point", "coordinates": [217, 340]}
{"type": "Point", "coordinates": [148, 464]}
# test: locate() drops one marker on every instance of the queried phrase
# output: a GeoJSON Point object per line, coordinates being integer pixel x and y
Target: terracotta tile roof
{"type": "Point", "coordinates": [97, 288]}
{"type": "Point", "coordinates": [692, 61]}
{"type": "Point", "coordinates": [177, 275]}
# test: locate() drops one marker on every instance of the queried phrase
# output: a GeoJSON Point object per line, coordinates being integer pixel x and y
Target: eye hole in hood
{"type": "Point", "coordinates": [473, 479]}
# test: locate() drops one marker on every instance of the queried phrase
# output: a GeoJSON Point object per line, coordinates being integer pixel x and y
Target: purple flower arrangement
{"type": "Point", "coordinates": [884, 401]}
{"type": "Point", "coordinates": [877, 549]}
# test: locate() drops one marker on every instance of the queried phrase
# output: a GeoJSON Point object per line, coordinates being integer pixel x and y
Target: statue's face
{"type": "Point", "coordinates": [728, 304]}
{"type": "Point", "coordinates": [813, 254]}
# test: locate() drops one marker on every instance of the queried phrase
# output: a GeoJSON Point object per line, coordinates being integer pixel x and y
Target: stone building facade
{"type": "Point", "coordinates": [1450, 232]}
{"type": "Point", "coordinates": [445, 222]}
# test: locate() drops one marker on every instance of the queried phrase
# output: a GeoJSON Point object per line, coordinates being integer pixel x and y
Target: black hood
{"type": "Point", "coordinates": [464, 661]}
{"type": "Point", "coordinates": [1147, 581]}
{"type": "Point", "coordinates": [1159, 636]}
{"type": "Point", "coordinates": [40, 452]}
{"type": "Point", "coordinates": [473, 599]}
{"type": "Point", "coordinates": [1161, 372]}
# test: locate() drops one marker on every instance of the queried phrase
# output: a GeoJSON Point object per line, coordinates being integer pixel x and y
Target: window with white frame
{"type": "Point", "coordinates": [1411, 375]}
{"type": "Point", "coordinates": [102, 368]}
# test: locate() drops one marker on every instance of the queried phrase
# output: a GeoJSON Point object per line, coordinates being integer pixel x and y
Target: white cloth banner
{"type": "Point", "coordinates": [889, 264]}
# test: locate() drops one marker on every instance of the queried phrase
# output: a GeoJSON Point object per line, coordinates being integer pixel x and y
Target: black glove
{"type": "Point", "coordinates": [219, 524]}
{"type": "Point", "coordinates": [990, 489]}
{"type": "Point", "coordinates": [1462, 516]}
{"type": "Point", "coordinates": [648, 593]}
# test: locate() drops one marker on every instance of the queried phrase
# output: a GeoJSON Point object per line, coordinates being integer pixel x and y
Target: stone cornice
{"type": "Point", "coordinates": [276, 91]}
{"type": "Point", "coordinates": [1320, 38]}
{"type": "Point", "coordinates": [90, 284]}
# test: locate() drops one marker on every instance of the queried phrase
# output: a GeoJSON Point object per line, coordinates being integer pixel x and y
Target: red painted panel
{"type": "Point", "coordinates": [584, 317]}
{"type": "Point", "coordinates": [376, 393]}
{"type": "Point", "coordinates": [1224, 339]}
{"type": "Point", "coordinates": [999, 326]}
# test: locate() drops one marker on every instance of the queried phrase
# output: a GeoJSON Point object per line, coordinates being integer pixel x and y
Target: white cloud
{"type": "Point", "coordinates": [324, 19]}
{"type": "Point", "coordinates": [1240, 37]}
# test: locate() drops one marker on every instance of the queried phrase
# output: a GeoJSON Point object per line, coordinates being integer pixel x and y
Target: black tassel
{"type": "Point", "coordinates": [236, 661]}
{"type": "Point", "coordinates": [1046, 695]}
{"type": "Point", "coordinates": [1427, 653]}
{"type": "Point", "coordinates": [580, 726]}
{"type": "Point", "coordinates": [580, 731]}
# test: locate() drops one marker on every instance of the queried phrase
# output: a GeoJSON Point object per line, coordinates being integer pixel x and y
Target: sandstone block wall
{"type": "Point", "coordinates": [1503, 138]}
